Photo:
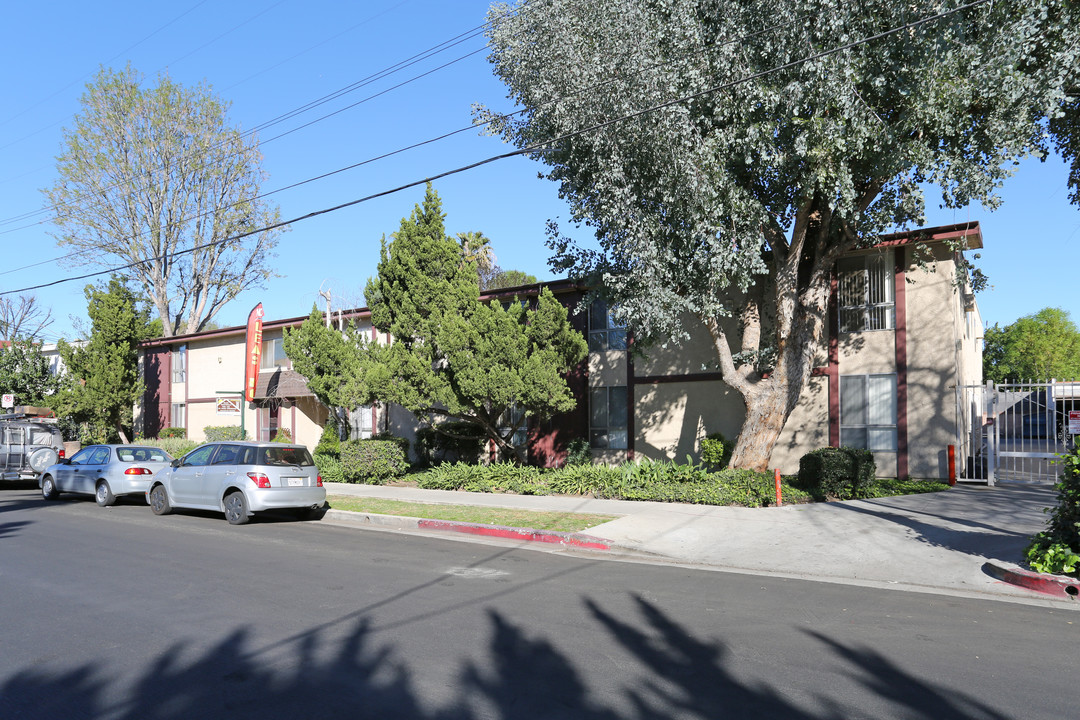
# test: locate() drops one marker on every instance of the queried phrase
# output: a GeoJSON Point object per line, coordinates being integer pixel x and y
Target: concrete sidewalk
{"type": "Point", "coordinates": [959, 542]}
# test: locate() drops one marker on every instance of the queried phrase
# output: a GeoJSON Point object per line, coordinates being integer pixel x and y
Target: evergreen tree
{"type": "Point", "coordinates": [103, 383]}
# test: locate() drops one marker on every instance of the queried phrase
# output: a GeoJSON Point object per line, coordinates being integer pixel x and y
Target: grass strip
{"type": "Point", "coordinates": [509, 517]}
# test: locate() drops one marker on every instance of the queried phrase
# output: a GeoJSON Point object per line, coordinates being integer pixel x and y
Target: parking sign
{"type": "Point", "coordinates": [8, 400]}
{"type": "Point", "coordinates": [1074, 422]}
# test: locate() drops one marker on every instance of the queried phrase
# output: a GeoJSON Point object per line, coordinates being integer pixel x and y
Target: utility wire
{"type": "Point", "coordinates": [591, 88]}
{"type": "Point", "coordinates": [528, 150]}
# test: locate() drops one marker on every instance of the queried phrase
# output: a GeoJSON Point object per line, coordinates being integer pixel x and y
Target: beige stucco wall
{"type": "Point", "coordinates": [671, 418]}
{"type": "Point", "coordinates": [941, 345]}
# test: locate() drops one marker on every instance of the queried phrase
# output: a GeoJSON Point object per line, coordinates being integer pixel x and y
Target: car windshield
{"type": "Point", "coordinates": [285, 456]}
{"type": "Point", "coordinates": [142, 453]}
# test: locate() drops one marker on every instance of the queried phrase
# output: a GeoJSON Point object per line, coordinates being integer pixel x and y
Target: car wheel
{"type": "Point", "coordinates": [236, 508]}
{"type": "Point", "coordinates": [104, 494]}
{"type": "Point", "coordinates": [48, 488]}
{"type": "Point", "coordinates": [159, 501]}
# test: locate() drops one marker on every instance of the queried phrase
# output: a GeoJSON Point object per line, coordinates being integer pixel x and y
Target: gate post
{"type": "Point", "coordinates": [991, 437]}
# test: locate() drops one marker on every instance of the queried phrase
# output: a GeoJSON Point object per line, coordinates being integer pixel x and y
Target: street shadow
{"type": "Point", "coordinates": [919, 698]}
{"type": "Point", "coordinates": [668, 671]}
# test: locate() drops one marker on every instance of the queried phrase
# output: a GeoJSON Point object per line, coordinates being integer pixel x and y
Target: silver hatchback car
{"type": "Point", "coordinates": [240, 479]}
{"type": "Point", "coordinates": [104, 471]}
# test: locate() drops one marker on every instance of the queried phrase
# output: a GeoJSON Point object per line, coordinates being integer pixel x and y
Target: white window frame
{"type": "Point", "coordinates": [179, 364]}
{"type": "Point", "coordinates": [605, 333]}
{"type": "Point", "coordinates": [603, 435]}
{"type": "Point", "coordinates": [865, 293]}
{"type": "Point", "coordinates": [178, 415]}
{"type": "Point", "coordinates": [273, 355]}
{"type": "Point", "coordinates": [361, 422]}
{"type": "Point", "coordinates": [868, 414]}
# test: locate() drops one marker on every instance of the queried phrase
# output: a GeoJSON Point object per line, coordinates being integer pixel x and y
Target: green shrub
{"type": "Point", "coordinates": [216, 433]}
{"type": "Point", "coordinates": [578, 452]}
{"type": "Point", "coordinates": [372, 461]}
{"type": "Point", "coordinates": [842, 473]}
{"type": "Point", "coordinates": [1057, 548]}
{"type": "Point", "coordinates": [453, 441]}
{"type": "Point", "coordinates": [283, 435]}
{"type": "Point", "coordinates": [172, 432]}
{"type": "Point", "coordinates": [497, 477]}
{"type": "Point", "coordinates": [329, 441]}
{"type": "Point", "coordinates": [175, 446]}
{"type": "Point", "coordinates": [329, 467]}
{"type": "Point", "coordinates": [715, 450]}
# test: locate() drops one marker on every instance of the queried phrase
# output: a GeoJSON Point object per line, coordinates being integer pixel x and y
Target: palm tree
{"type": "Point", "coordinates": [476, 248]}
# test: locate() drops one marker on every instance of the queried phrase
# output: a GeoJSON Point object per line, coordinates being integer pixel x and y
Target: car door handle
{"type": "Point", "coordinates": [230, 472]}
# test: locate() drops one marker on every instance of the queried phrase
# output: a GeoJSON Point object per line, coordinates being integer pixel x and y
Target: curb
{"type": "Point", "coordinates": [400, 522]}
{"type": "Point", "coordinates": [1056, 585]}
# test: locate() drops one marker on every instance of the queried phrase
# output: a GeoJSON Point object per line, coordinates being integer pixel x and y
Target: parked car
{"type": "Point", "coordinates": [28, 445]}
{"type": "Point", "coordinates": [104, 471]}
{"type": "Point", "coordinates": [240, 479]}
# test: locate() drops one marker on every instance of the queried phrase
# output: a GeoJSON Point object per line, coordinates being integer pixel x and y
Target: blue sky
{"type": "Point", "coordinates": [269, 57]}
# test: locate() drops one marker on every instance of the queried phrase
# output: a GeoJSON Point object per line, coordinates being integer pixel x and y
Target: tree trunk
{"type": "Point", "coordinates": [766, 414]}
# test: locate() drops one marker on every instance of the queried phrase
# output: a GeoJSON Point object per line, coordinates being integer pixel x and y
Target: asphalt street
{"type": "Point", "coordinates": [117, 613]}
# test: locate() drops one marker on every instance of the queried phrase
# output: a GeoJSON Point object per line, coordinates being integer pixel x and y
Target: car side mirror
{"type": "Point", "coordinates": [175, 463]}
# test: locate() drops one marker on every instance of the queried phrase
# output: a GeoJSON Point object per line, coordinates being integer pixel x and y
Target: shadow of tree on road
{"type": "Point", "coordinates": [668, 672]}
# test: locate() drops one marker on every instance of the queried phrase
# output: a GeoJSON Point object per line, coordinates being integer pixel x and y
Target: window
{"type": "Point", "coordinates": [226, 455]}
{"type": "Point", "coordinates": [268, 423]}
{"type": "Point", "coordinates": [199, 456]}
{"type": "Point", "coordinates": [604, 332]}
{"type": "Point", "coordinates": [178, 416]}
{"type": "Point", "coordinates": [360, 420]}
{"type": "Point", "coordinates": [273, 355]}
{"type": "Point", "coordinates": [179, 364]}
{"type": "Point", "coordinates": [512, 416]}
{"type": "Point", "coordinates": [865, 293]}
{"type": "Point", "coordinates": [607, 418]}
{"type": "Point", "coordinates": [868, 412]}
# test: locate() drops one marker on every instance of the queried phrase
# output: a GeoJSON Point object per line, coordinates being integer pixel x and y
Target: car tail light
{"type": "Point", "coordinates": [318, 481]}
{"type": "Point", "coordinates": [61, 454]}
{"type": "Point", "coordinates": [259, 479]}
{"type": "Point", "coordinates": [138, 471]}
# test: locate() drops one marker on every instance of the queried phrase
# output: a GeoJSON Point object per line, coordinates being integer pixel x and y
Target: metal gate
{"type": "Point", "coordinates": [1015, 431]}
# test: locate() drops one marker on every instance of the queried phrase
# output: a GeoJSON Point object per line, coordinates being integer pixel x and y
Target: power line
{"type": "Point", "coordinates": [531, 149]}
{"type": "Point", "coordinates": [400, 150]}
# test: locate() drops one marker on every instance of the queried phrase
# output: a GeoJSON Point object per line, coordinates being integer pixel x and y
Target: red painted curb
{"type": "Point", "coordinates": [548, 536]}
{"type": "Point", "coordinates": [1056, 585]}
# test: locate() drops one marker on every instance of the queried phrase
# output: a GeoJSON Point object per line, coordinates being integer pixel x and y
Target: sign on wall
{"type": "Point", "coordinates": [228, 406]}
{"type": "Point", "coordinates": [1074, 422]}
{"type": "Point", "coordinates": [8, 400]}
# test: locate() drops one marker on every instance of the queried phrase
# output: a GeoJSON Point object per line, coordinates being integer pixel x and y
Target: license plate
{"type": "Point", "coordinates": [293, 482]}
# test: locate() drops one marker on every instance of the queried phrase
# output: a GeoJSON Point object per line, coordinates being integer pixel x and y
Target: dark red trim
{"type": "Point", "coordinates": [969, 231]}
{"type": "Point", "coordinates": [192, 401]}
{"type": "Point", "coordinates": [900, 303]}
{"type": "Point", "coordinates": [832, 370]}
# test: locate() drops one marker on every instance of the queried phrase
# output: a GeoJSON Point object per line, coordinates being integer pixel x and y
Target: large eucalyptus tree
{"type": "Point", "coordinates": [727, 152]}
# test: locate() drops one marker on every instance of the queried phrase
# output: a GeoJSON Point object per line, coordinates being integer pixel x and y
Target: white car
{"type": "Point", "coordinates": [104, 471]}
{"type": "Point", "coordinates": [240, 479]}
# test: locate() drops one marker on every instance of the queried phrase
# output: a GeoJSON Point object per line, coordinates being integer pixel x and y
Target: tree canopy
{"type": "Point", "coordinates": [25, 373]}
{"type": "Point", "coordinates": [449, 355]}
{"type": "Point", "coordinates": [1042, 346]}
{"type": "Point", "coordinates": [155, 177]}
{"type": "Point", "coordinates": [22, 318]}
{"type": "Point", "coordinates": [727, 153]}
{"type": "Point", "coordinates": [102, 382]}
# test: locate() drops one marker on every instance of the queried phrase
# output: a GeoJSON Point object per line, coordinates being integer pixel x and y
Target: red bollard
{"type": "Point", "coordinates": [779, 500]}
{"type": "Point", "coordinates": [952, 465]}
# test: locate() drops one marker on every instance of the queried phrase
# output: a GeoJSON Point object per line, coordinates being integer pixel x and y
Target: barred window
{"type": "Point", "coordinates": [865, 293]}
